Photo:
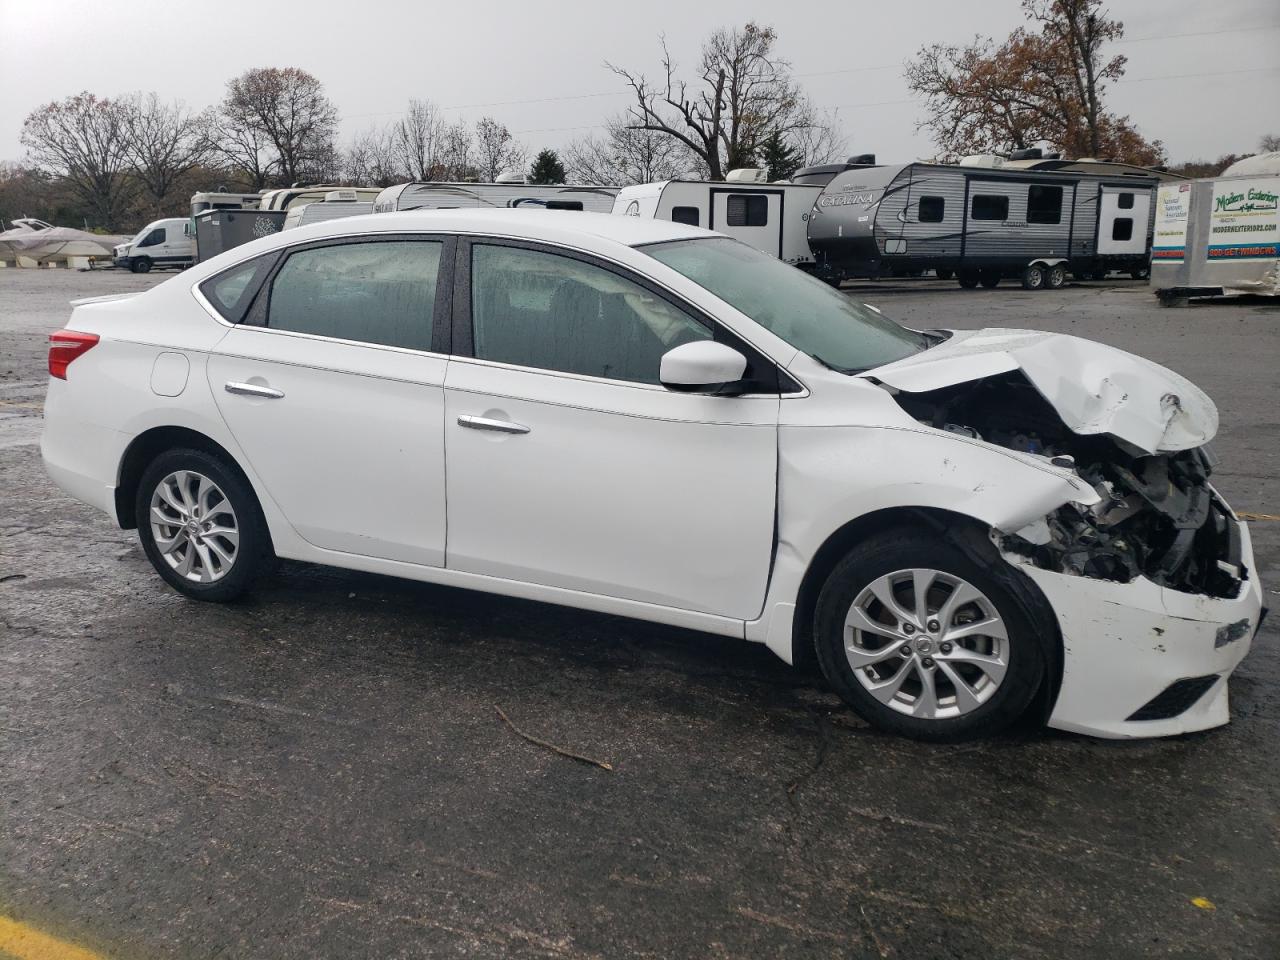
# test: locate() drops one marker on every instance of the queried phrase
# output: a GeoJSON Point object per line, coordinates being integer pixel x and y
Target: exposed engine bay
{"type": "Point", "coordinates": [1157, 517]}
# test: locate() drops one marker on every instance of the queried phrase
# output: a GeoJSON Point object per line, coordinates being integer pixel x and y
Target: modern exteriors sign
{"type": "Point", "coordinates": [1243, 220]}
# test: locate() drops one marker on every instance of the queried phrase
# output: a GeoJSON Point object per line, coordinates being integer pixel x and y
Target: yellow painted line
{"type": "Point", "coordinates": [1258, 516]}
{"type": "Point", "coordinates": [27, 943]}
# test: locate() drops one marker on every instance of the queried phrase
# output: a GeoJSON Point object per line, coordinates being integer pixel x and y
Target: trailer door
{"type": "Point", "coordinates": [752, 216]}
{"type": "Point", "coordinates": [1124, 214]}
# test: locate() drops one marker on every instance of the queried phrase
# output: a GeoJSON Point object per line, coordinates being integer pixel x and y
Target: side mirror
{"type": "Point", "coordinates": [702, 366]}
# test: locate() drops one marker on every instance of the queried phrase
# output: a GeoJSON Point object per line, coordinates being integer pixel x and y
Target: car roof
{"type": "Point", "coordinates": [520, 223]}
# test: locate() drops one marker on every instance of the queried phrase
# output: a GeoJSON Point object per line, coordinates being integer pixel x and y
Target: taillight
{"type": "Point", "coordinates": [65, 346]}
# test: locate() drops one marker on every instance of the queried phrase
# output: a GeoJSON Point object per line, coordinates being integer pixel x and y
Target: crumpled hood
{"type": "Point", "coordinates": [1093, 387]}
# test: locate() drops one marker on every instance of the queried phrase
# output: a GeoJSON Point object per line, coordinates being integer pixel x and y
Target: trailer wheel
{"type": "Point", "coordinates": [968, 279]}
{"type": "Point", "coordinates": [1056, 277]}
{"type": "Point", "coordinates": [1142, 273]}
{"type": "Point", "coordinates": [944, 274]}
{"type": "Point", "coordinates": [1033, 277]}
{"type": "Point", "coordinates": [990, 279]}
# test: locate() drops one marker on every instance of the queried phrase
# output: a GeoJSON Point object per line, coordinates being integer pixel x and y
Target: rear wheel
{"type": "Point", "coordinates": [1033, 277]}
{"type": "Point", "coordinates": [1055, 276]}
{"type": "Point", "coordinates": [201, 526]}
{"type": "Point", "coordinates": [141, 265]}
{"type": "Point", "coordinates": [922, 640]}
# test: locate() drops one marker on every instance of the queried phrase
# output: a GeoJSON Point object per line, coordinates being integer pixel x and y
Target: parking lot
{"type": "Point", "coordinates": [322, 771]}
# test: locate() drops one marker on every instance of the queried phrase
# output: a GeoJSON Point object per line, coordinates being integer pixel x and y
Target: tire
{"type": "Point", "coordinates": [944, 274]}
{"type": "Point", "coordinates": [990, 279]}
{"type": "Point", "coordinates": [1055, 277]}
{"type": "Point", "coordinates": [1140, 274]}
{"type": "Point", "coordinates": [208, 575]}
{"type": "Point", "coordinates": [1033, 277]}
{"type": "Point", "coordinates": [990, 704]}
{"type": "Point", "coordinates": [968, 279]}
{"type": "Point", "coordinates": [141, 265]}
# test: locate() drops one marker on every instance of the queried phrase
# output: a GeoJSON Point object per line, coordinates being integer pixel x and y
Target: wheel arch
{"type": "Point", "coordinates": [970, 535]}
{"type": "Point", "coordinates": [149, 444]}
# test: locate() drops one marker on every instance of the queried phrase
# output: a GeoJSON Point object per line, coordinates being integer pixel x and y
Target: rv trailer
{"type": "Point", "coordinates": [1219, 236]}
{"type": "Point", "coordinates": [429, 195]}
{"type": "Point", "coordinates": [983, 221]}
{"type": "Point", "coordinates": [286, 198]}
{"type": "Point", "coordinates": [335, 205]}
{"type": "Point", "coordinates": [221, 200]}
{"type": "Point", "coordinates": [772, 217]}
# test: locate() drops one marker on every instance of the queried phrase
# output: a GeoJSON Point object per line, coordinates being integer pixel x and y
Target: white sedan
{"type": "Point", "coordinates": [652, 420]}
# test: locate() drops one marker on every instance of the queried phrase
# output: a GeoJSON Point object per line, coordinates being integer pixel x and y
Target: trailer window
{"type": "Point", "coordinates": [687, 215]}
{"type": "Point", "coordinates": [747, 210]}
{"type": "Point", "coordinates": [1124, 201]}
{"type": "Point", "coordinates": [1122, 228]}
{"type": "Point", "coordinates": [987, 207]}
{"type": "Point", "coordinates": [932, 209]}
{"type": "Point", "coordinates": [1044, 204]}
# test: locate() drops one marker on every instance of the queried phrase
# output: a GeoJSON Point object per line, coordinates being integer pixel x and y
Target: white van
{"type": "Point", "coordinates": [162, 243]}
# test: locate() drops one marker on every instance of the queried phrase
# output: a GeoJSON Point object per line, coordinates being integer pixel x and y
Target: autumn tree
{"type": "Point", "coordinates": [83, 141]}
{"type": "Point", "coordinates": [740, 93]}
{"type": "Point", "coordinates": [496, 151]}
{"type": "Point", "coordinates": [625, 155]}
{"type": "Point", "coordinates": [280, 124]}
{"type": "Point", "coordinates": [164, 142]}
{"type": "Point", "coordinates": [1046, 81]}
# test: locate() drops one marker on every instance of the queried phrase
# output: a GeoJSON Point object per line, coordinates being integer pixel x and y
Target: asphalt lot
{"type": "Point", "coordinates": [320, 771]}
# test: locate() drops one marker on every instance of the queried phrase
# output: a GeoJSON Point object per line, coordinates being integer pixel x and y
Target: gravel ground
{"type": "Point", "coordinates": [320, 771]}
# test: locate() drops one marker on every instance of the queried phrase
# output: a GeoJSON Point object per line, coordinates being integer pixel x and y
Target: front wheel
{"type": "Point", "coordinates": [201, 526]}
{"type": "Point", "coordinates": [921, 640]}
{"type": "Point", "coordinates": [141, 265]}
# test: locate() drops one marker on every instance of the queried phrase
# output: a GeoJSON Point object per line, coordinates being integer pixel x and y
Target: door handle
{"type": "Point", "coordinates": [254, 390]}
{"type": "Point", "coordinates": [488, 423]}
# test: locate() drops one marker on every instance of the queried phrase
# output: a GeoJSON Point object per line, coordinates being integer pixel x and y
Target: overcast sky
{"type": "Point", "coordinates": [1202, 77]}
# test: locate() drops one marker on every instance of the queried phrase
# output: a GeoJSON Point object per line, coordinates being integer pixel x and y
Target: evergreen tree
{"type": "Point", "coordinates": [779, 158]}
{"type": "Point", "coordinates": [547, 168]}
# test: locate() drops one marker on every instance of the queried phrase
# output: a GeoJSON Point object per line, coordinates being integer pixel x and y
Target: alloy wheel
{"type": "Point", "coordinates": [926, 643]}
{"type": "Point", "coordinates": [194, 526]}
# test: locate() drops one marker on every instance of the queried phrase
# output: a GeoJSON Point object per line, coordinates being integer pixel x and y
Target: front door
{"type": "Point", "coordinates": [332, 392]}
{"type": "Point", "coordinates": [570, 466]}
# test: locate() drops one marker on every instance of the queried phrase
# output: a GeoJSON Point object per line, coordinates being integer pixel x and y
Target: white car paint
{"type": "Point", "coordinates": [687, 509]}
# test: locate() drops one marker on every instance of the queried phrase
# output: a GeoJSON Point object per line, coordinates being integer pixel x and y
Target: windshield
{"type": "Point", "coordinates": [805, 312]}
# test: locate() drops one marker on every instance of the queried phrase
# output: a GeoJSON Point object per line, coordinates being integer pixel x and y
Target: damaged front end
{"type": "Point", "coordinates": [1157, 517]}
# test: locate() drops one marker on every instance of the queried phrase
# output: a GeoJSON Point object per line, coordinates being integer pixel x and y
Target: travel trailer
{"type": "Point", "coordinates": [772, 217]}
{"type": "Point", "coordinates": [221, 200]}
{"type": "Point", "coordinates": [161, 243]}
{"type": "Point", "coordinates": [1219, 236]}
{"type": "Point", "coordinates": [335, 205]}
{"type": "Point", "coordinates": [286, 198]}
{"type": "Point", "coordinates": [984, 220]}
{"type": "Point", "coordinates": [429, 195]}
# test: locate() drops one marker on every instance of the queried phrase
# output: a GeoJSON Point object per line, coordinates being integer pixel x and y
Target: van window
{"type": "Point", "coordinates": [687, 215]}
{"type": "Point", "coordinates": [380, 292]}
{"type": "Point", "coordinates": [543, 310]}
{"type": "Point", "coordinates": [747, 210]}
{"type": "Point", "coordinates": [932, 210]}
{"type": "Point", "coordinates": [154, 238]}
{"type": "Point", "coordinates": [1122, 228]}
{"type": "Point", "coordinates": [1124, 201]}
{"type": "Point", "coordinates": [988, 207]}
{"type": "Point", "coordinates": [1044, 204]}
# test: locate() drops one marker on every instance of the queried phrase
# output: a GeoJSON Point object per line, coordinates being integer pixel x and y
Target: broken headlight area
{"type": "Point", "coordinates": [1157, 517]}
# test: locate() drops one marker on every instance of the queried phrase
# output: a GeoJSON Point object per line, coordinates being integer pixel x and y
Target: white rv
{"type": "Point", "coordinates": [161, 243]}
{"type": "Point", "coordinates": [424, 195]}
{"type": "Point", "coordinates": [221, 200]}
{"type": "Point", "coordinates": [772, 217]}
{"type": "Point", "coordinates": [335, 205]}
{"type": "Point", "coordinates": [286, 198]}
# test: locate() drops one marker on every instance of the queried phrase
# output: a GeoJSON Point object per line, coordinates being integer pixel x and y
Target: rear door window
{"type": "Point", "coordinates": [380, 292]}
{"type": "Point", "coordinates": [747, 210]}
{"type": "Point", "coordinates": [1122, 228]}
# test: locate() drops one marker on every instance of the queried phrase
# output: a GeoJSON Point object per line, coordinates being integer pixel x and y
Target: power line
{"type": "Point", "coordinates": [1198, 33]}
{"type": "Point", "coordinates": [1188, 76]}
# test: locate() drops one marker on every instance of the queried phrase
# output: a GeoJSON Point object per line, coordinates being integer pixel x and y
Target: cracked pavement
{"type": "Point", "coordinates": [320, 771]}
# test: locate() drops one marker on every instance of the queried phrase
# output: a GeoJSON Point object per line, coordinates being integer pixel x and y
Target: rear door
{"type": "Point", "coordinates": [1124, 216]}
{"type": "Point", "coordinates": [332, 389]}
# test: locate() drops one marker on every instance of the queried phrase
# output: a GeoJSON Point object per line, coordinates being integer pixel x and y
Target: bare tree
{"type": "Point", "coordinates": [457, 152]}
{"type": "Point", "coordinates": [165, 142]}
{"type": "Point", "coordinates": [373, 159]}
{"type": "Point", "coordinates": [821, 141]}
{"type": "Point", "coordinates": [83, 140]}
{"type": "Point", "coordinates": [418, 140]}
{"type": "Point", "coordinates": [742, 93]}
{"type": "Point", "coordinates": [627, 155]}
{"type": "Point", "coordinates": [496, 151]}
{"type": "Point", "coordinates": [1269, 143]}
{"type": "Point", "coordinates": [286, 111]}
